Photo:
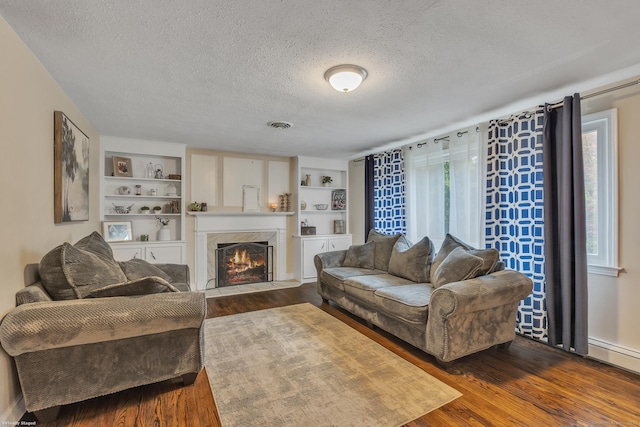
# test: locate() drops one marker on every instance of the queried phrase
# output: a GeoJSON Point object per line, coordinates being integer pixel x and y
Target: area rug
{"type": "Point", "coordinates": [299, 366]}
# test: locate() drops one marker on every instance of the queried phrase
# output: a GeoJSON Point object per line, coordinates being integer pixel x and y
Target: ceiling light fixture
{"type": "Point", "coordinates": [280, 125]}
{"type": "Point", "coordinates": [345, 78]}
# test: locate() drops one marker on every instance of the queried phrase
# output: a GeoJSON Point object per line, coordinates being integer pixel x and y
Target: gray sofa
{"type": "Point", "coordinates": [85, 338]}
{"type": "Point", "coordinates": [454, 304]}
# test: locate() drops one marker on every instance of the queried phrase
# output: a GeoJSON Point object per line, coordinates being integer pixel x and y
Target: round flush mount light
{"type": "Point", "coordinates": [345, 78]}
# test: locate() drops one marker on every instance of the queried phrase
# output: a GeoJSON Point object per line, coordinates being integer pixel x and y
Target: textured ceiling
{"type": "Point", "coordinates": [211, 74]}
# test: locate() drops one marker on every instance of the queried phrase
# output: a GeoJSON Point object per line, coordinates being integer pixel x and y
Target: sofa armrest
{"type": "Point", "coordinates": [329, 259]}
{"type": "Point", "coordinates": [481, 293]}
{"type": "Point", "coordinates": [57, 324]}
{"type": "Point", "coordinates": [34, 292]}
{"type": "Point", "coordinates": [475, 314]}
{"type": "Point", "coordinates": [179, 273]}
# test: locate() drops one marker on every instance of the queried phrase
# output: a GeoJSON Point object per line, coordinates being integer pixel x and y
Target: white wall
{"type": "Point", "coordinates": [28, 98]}
{"type": "Point", "coordinates": [614, 315]}
{"type": "Point", "coordinates": [225, 173]}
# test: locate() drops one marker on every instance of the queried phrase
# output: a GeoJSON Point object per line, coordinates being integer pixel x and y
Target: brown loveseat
{"type": "Point", "coordinates": [86, 326]}
{"type": "Point", "coordinates": [458, 303]}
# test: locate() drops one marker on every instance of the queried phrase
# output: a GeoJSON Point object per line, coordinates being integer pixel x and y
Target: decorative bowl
{"type": "Point", "coordinates": [121, 209]}
{"type": "Point", "coordinates": [322, 206]}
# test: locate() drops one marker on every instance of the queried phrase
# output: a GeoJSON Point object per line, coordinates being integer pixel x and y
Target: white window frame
{"type": "Point", "coordinates": [606, 123]}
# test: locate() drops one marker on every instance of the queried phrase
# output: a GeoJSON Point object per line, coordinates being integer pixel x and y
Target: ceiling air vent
{"type": "Point", "coordinates": [280, 125]}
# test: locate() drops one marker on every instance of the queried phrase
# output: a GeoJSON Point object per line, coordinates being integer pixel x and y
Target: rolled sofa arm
{"type": "Point", "coordinates": [480, 293]}
{"type": "Point", "coordinates": [475, 314]}
{"type": "Point", "coordinates": [47, 325]}
{"type": "Point", "coordinates": [329, 259]}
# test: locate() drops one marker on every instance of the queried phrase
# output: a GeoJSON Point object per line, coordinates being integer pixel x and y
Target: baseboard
{"type": "Point", "coordinates": [14, 412]}
{"type": "Point", "coordinates": [613, 354]}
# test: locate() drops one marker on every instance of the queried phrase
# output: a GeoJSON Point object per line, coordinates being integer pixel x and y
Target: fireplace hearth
{"type": "Point", "coordinates": [243, 263]}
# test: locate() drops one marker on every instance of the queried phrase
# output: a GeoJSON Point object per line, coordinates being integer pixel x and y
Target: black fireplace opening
{"type": "Point", "coordinates": [243, 263]}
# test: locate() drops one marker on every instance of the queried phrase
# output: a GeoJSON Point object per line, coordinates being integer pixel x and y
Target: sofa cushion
{"type": "Point", "coordinates": [138, 268]}
{"type": "Point", "coordinates": [489, 257]}
{"type": "Point", "coordinates": [70, 271]}
{"type": "Point", "coordinates": [407, 302]}
{"type": "Point", "coordinates": [360, 256]}
{"type": "Point", "coordinates": [141, 286]}
{"type": "Point", "coordinates": [335, 276]}
{"type": "Point", "coordinates": [364, 287]}
{"type": "Point", "coordinates": [458, 265]}
{"type": "Point", "coordinates": [96, 244]}
{"type": "Point", "coordinates": [448, 245]}
{"type": "Point", "coordinates": [384, 246]}
{"type": "Point", "coordinates": [412, 262]}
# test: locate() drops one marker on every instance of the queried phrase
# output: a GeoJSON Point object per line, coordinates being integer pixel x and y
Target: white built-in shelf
{"type": "Point", "coordinates": [133, 178]}
{"type": "Point", "coordinates": [233, 213]}
{"type": "Point", "coordinates": [140, 197]}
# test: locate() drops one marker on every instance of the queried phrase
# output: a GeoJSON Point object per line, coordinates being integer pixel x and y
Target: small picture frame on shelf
{"type": "Point", "coordinates": [122, 166]}
{"type": "Point", "coordinates": [116, 231]}
{"type": "Point", "coordinates": [338, 200]}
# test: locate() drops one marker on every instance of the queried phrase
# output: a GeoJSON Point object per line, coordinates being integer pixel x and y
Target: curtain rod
{"type": "Point", "coordinates": [602, 92]}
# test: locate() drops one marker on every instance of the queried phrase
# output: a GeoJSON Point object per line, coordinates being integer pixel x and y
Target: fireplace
{"type": "Point", "coordinates": [244, 262]}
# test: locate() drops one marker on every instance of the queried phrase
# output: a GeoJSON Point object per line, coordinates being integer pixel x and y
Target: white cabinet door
{"type": "Point", "coordinates": [339, 243]}
{"type": "Point", "coordinates": [311, 247]}
{"type": "Point", "coordinates": [125, 253]}
{"type": "Point", "coordinates": [164, 254]}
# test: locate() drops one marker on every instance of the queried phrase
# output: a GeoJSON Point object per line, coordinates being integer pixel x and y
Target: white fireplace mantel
{"type": "Point", "coordinates": [239, 222]}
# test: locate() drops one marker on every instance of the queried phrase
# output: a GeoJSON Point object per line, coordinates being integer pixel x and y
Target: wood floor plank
{"type": "Point", "coordinates": [529, 384]}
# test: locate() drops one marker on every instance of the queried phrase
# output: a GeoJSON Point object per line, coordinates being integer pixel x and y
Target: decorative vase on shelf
{"type": "Point", "coordinates": [149, 171]}
{"type": "Point", "coordinates": [164, 233]}
{"type": "Point", "coordinates": [308, 180]}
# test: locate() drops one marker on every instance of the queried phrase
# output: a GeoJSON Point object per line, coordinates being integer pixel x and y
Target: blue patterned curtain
{"type": "Point", "coordinates": [388, 188]}
{"type": "Point", "coordinates": [514, 210]}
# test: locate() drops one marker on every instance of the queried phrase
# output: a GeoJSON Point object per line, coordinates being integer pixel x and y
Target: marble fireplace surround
{"type": "Point", "coordinates": [212, 228]}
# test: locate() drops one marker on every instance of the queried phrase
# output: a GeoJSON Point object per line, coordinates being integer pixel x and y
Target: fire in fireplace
{"type": "Point", "coordinates": [243, 263]}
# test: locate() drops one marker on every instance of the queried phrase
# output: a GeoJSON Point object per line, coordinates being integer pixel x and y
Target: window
{"type": "Point", "coordinates": [599, 144]}
{"type": "Point", "coordinates": [443, 188]}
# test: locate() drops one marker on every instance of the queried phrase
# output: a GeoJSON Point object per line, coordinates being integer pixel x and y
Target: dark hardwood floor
{"type": "Point", "coordinates": [529, 384]}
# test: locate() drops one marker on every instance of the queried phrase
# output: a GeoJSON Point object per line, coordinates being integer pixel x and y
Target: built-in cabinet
{"type": "Point", "coordinates": [330, 224]}
{"type": "Point", "coordinates": [308, 246]}
{"type": "Point", "coordinates": [140, 188]}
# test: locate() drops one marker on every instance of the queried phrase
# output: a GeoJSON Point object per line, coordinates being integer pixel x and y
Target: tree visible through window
{"type": "Point", "coordinates": [599, 147]}
{"type": "Point", "coordinates": [590, 154]}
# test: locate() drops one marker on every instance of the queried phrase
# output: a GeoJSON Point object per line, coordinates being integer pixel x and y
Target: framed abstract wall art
{"type": "Point", "coordinates": [70, 171]}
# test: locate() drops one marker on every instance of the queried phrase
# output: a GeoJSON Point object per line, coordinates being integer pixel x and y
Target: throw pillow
{"type": "Point", "coordinates": [489, 259]}
{"type": "Point", "coordinates": [384, 247]}
{"type": "Point", "coordinates": [95, 243]}
{"type": "Point", "coordinates": [138, 268]}
{"type": "Point", "coordinates": [142, 286]}
{"type": "Point", "coordinates": [448, 245]}
{"type": "Point", "coordinates": [68, 272]}
{"type": "Point", "coordinates": [361, 256]}
{"type": "Point", "coordinates": [458, 265]}
{"type": "Point", "coordinates": [411, 262]}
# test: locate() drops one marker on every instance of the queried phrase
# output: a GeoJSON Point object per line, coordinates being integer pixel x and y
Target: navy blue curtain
{"type": "Point", "coordinates": [565, 226]}
{"type": "Point", "coordinates": [369, 207]}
